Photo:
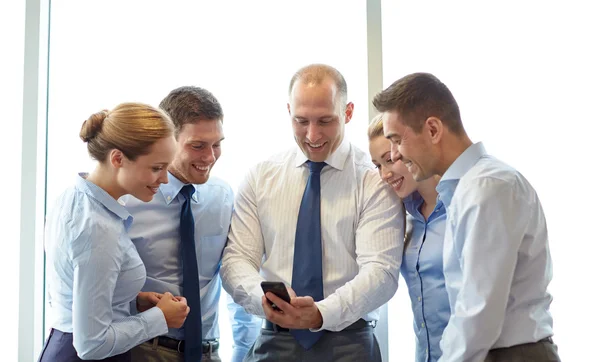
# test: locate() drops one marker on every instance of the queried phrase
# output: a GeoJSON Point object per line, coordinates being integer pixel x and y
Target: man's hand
{"type": "Point", "coordinates": [300, 313]}
{"type": "Point", "coordinates": [147, 300]}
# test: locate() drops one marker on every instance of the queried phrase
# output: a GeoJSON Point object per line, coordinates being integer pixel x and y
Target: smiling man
{"type": "Point", "coordinates": [181, 233]}
{"type": "Point", "coordinates": [497, 261]}
{"type": "Point", "coordinates": [319, 219]}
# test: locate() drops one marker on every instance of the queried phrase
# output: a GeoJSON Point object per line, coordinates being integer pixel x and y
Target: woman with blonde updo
{"type": "Point", "coordinates": [94, 270]}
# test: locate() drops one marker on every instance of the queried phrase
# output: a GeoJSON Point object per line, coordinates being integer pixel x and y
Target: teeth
{"type": "Point", "coordinates": [397, 182]}
{"type": "Point", "coordinates": [315, 145]}
{"type": "Point", "coordinates": [199, 168]}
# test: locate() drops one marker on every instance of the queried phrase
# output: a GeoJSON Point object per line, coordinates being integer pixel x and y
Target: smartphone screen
{"type": "Point", "coordinates": [277, 288]}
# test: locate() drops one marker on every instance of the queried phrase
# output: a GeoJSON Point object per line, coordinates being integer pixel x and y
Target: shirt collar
{"type": "Point", "coordinates": [412, 203]}
{"type": "Point", "coordinates": [464, 162]}
{"type": "Point", "coordinates": [336, 160]}
{"type": "Point", "coordinates": [98, 194]}
{"type": "Point", "coordinates": [171, 189]}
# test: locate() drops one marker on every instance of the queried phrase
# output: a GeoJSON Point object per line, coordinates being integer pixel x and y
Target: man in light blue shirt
{"type": "Point", "coordinates": [497, 261]}
{"type": "Point", "coordinates": [157, 230]}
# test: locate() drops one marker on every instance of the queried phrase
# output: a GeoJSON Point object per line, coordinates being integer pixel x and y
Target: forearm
{"type": "Point", "coordinates": [241, 279]}
{"type": "Point", "coordinates": [372, 287]}
{"type": "Point", "coordinates": [98, 342]}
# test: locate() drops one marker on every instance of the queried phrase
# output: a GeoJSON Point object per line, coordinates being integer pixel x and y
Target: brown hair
{"type": "Point", "coordinates": [317, 73]}
{"type": "Point", "coordinates": [417, 97]}
{"type": "Point", "coordinates": [131, 128]}
{"type": "Point", "coordinates": [191, 104]}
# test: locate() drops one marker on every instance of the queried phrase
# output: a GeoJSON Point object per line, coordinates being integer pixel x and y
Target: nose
{"type": "Point", "coordinates": [163, 178]}
{"type": "Point", "coordinates": [313, 133]}
{"type": "Point", "coordinates": [208, 156]}
{"type": "Point", "coordinates": [385, 175]}
{"type": "Point", "coordinates": [395, 153]}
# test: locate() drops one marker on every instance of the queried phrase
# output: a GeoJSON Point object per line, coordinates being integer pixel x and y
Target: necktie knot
{"type": "Point", "coordinates": [315, 167]}
{"type": "Point", "coordinates": [187, 191]}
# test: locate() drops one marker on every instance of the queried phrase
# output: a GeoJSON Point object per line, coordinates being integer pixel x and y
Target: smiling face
{"type": "Point", "coordinates": [198, 149]}
{"type": "Point", "coordinates": [391, 171]}
{"type": "Point", "coordinates": [318, 118]}
{"type": "Point", "coordinates": [142, 177]}
{"type": "Point", "coordinates": [415, 150]}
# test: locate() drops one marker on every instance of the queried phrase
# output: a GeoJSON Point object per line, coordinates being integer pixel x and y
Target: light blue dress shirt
{"type": "Point", "coordinates": [155, 233]}
{"type": "Point", "coordinates": [422, 269]}
{"type": "Point", "coordinates": [496, 258]}
{"type": "Point", "coordinates": [94, 272]}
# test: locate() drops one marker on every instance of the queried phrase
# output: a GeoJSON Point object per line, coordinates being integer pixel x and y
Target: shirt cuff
{"type": "Point", "coordinates": [328, 316]}
{"type": "Point", "coordinates": [256, 301]}
{"type": "Point", "coordinates": [156, 324]}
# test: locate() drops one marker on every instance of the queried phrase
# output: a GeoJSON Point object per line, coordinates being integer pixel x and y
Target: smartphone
{"type": "Point", "coordinates": [277, 288]}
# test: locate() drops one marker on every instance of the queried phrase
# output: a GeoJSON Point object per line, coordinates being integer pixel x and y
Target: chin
{"type": "Point", "coordinates": [400, 194]}
{"type": "Point", "coordinates": [144, 198]}
{"type": "Point", "coordinates": [199, 180]}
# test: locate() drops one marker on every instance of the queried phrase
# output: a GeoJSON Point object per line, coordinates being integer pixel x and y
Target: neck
{"type": "Point", "coordinates": [175, 173]}
{"type": "Point", "coordinates": [427, 190]}
{"type": "Point", "coordinates": [451, 148]}
{"type": "Point", "coordinates": [104, 178]}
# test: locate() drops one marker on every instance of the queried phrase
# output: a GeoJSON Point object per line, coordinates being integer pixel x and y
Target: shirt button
{"type": "Point", "coordinates": [422, 324]}
{"type": "Point", "coordinates": [419, 298]}
{"type": "Point", "coordinates": [169, 198]}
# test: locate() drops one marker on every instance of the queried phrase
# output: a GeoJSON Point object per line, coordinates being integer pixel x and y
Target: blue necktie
{"type": "Point", "coordinates": [191, 284]}
{"type": "Point", "coordinates": [307, 276]}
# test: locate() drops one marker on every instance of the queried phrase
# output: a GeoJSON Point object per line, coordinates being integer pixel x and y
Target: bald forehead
{"type": "Point", "coordinates": [325, 89]}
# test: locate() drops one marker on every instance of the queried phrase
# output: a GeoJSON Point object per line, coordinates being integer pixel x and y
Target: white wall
{"type": "Point", "coordinates": [12, 37]}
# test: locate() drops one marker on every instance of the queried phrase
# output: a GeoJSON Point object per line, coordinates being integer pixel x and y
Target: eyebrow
{"type": "Point", "coordinates": [385, 153]}
{"type": "Point", "coordinates": [201, 141]}
{"type": "Point", "coordinates": [391, 135]}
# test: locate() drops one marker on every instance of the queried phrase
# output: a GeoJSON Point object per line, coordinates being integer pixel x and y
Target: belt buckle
{"type": "Point", "coordinates": [179, 346]}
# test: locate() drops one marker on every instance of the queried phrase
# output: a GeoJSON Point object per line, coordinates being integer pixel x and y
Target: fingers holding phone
{"type": "Point", "coordinates": [280, 291]}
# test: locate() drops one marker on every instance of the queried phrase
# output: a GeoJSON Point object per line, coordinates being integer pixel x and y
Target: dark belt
{"type": "Point", "coordinates": [179, 346]}
{"type": "Point", "coordinates": [359, 324]}
{"type": "Point", "coordinates": [545, 340]}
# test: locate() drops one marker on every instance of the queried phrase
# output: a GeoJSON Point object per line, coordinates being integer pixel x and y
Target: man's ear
{"type": "Point", "coordinates": [435, 129]}
{"type": "Point", "coordinates": [349, 112]}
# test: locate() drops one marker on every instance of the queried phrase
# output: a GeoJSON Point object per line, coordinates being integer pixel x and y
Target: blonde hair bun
{"type": "Point", "coordinates": [92, 126]}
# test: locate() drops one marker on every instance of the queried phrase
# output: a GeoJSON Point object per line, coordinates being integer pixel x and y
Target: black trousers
{"type": "Point", "coordinates": [59, 348]}
{"type": "Point", "coordinates": [541, 351]}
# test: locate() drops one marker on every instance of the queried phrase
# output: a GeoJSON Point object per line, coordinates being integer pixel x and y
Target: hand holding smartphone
{"type": "Point", "coordinates": [277, 288]}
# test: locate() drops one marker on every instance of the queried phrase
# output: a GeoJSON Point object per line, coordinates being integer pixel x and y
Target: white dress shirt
{"type": "Point", "coordinates": [362, 228]}
{"type": "Point", "coordinates": [496, 258]}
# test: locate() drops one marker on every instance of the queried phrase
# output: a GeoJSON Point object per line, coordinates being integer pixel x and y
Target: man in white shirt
{"type": "Point", "coordinates": [319, 219]}
{"type": "Point", "coordinates": [496, 257]}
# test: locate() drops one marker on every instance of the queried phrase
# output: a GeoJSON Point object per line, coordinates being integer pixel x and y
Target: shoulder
{"type": "Point", "coordinates": [79, 224]}
{"type": "Point", "coordinates": [492, 178]}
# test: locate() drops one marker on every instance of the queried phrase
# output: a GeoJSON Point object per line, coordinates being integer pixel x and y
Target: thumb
{"type": "Point", "coordinates": [303, 302]}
